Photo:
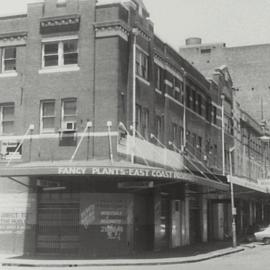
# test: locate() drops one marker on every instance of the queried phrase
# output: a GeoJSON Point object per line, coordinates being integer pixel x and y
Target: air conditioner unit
{"type": "Point", "coordinates": [69, 126]}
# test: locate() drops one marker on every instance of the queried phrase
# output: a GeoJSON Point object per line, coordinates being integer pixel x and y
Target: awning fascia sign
{"type": "Point", "coordinates": [108, 171]}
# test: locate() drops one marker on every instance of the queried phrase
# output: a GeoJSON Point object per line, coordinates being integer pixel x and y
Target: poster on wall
{"type": "Point", "coordinates": [17, 214]}
{"type": "Point", "coordinates": [108, 213]}
{"type": "Point", "coordinates": [10, 150]}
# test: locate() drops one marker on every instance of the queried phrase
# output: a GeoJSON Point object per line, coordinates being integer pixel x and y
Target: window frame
{"type": "Point", "coordinates": [42, 129]}
{"type": "Point", "coordinates": [140, 57]}
{"type": "Point", "coordinates": [2, 106]}
{"type": "Point", "coordinates": [68, 115]}
{"type": "Point", "coordinates": [138, 118]}
{"type": "Point", "coordinates": [3, 59]}
{"type": "Point", "coordinates": [145, 123]}
{"type": "Point", "coordinates": [158, 123]}
{"type": "Point", "coordinates": [60, 52]}
{"type": "Point", "coordinates": [158, 78]}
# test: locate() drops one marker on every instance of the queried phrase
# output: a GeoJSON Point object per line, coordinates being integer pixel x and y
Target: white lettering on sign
{"type": "Point", "coordinates": [108, 171]}
{"type": "Point", "coordinates": [156, 173]}
{"type": "Point", "coordinates": [71, 170]}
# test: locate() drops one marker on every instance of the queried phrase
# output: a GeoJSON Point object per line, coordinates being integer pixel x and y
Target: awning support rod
{"type": "Point", "coordinates": [30, 129]}
{"type": "Point", "coordinates": [109, 125]}
{"type": "Point", "coordinates": [88, 126]}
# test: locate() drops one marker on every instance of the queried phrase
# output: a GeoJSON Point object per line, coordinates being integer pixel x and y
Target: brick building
{"type": "Point", "coordinates": [248, 66]}
{"type": "Point", "coordinates": [86, 168]}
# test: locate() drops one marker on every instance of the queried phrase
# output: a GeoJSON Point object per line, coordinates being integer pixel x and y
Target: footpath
{"type": "Point", "coordinates": [190, 254]}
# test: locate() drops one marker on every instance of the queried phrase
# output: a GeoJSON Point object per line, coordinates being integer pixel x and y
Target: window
{"type": "Point", "coordinates": [181, 138]}
{"type": "Point", "coordinates": [60, 53]}
{"type": "Point", "coordinates": [138, 118]}
{"type": "Point", "coordinates": [176, 86]}
{"type": "Point", "coordinates": [214, 114]}
{"type": "Point", "coordinates": [142, 64]}
{"type": "Point", "coordinates": [188, 97]}
{"type": "Point", "coordinates": [145, 119]}
{"type": "Point", "coordinates": [47, 116]}
{"type": "Point", "coordinates": [208, 108]}
{"type": "Point", "coordinates": [194, 101]}
{"type": "Point", "coordinates": [174, 133]}
{"type": "Point", "coordinates": [9, 59]}
{"type": "Point", "coordinates": [69, 113]}
{"type": "Point", "coordinates": [205, 51]}
{"type": "Point", "coordinates": [158, 78]}
{"type": "Point", "coordinates": [199, 97]}
{"type": "Point", "coordinates": [158, 127]}
{"type": "Point", "coordinates": [7, 118]}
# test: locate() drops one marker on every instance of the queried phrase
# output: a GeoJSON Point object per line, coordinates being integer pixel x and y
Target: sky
{"type": "Point", "coordinates": [234, 22]}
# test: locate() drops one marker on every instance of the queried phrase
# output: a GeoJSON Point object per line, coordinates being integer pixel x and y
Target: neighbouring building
{"type": "Point", "coordinates": [111, 142]}
{"type": "Point", "coordinates": [248, 67]}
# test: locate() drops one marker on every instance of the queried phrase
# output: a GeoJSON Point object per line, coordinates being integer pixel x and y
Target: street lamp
{"type": "Point", "coordinates": [232, 200]}
{"type": "Point", "coordinates": [222, 133]}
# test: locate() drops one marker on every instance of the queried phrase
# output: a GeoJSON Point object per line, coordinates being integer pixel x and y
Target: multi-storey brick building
{"type": "Point", "coordinates": [248, 66]}
{"type": "Point", "coordinates": [75, 76]}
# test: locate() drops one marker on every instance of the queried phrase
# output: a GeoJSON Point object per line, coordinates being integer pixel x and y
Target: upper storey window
{"type": "Point", "coordinates": [142, 64]}
{"type": "Point", "coordinates": [60, 53]}
{"type": "Point", "coordinates": [7, 118]}
{"type": "Point", "coordinates": [8, 59]}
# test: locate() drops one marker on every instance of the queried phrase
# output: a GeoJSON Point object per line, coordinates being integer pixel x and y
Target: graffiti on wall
{"type": "Point", "coordinates": [88, 216]}
{"type": "Point", "coordinates": [112, 231]}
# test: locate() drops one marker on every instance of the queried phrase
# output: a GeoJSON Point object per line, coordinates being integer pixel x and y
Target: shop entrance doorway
{"type": "Point", "coordinates": [58, 223]}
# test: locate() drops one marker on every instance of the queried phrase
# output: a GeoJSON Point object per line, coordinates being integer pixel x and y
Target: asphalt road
{"type": "Point", "coordinates": [250, 259]}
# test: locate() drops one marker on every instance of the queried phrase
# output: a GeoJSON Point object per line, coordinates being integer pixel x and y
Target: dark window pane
{"type": "Point", "coordinates": [10, 52]}
{"type": "Point", "coordinates": [70, 46]}
{"type": "Point", "coordinates": [51, 60]}
{"type": "Point", "coordinates": [10, 64]}
{"type": "Point", "coordinates": [51, 48]}
{"type": "Point", "coordinates": [71, 58]}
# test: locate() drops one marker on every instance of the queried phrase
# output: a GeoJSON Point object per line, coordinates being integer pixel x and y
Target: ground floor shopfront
{"type": "Point", "coordinates": [106, 215]}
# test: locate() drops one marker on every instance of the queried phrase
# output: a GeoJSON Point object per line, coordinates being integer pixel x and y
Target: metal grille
{"type": "Point", "coordinates": [58, 224]}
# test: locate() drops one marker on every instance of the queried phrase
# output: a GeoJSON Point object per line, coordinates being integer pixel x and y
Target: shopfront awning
{"type": "Point", "coordinates": [106, 168]}
{"type": "Point", "coordinates": [248, 184]}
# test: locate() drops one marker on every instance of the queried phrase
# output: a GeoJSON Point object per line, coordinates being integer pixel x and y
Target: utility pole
{"type": "Point", "coordinates": [232, 200]}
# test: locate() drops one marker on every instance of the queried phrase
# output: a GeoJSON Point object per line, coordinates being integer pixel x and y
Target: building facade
{"type": "Point", "coordinates": [250, 155]}
{"type": "Point", "coordinates": [248, 67]}
{"type": "Point", "coordinates": [111, 142]}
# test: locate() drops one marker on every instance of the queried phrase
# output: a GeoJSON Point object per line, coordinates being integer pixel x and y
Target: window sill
{"type": "Point", "coordinates": [8, 74]}
{"type": "Point", "coordinates": [59, 69]}
{"type": "Point", "coordinates": [143, 80]}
